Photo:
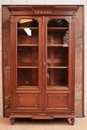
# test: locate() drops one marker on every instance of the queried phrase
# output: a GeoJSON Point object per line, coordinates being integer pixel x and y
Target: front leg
{"type": "Point", "coordinates": [72, 121]}
{"type": "Point", "coordinates": [12, 121]}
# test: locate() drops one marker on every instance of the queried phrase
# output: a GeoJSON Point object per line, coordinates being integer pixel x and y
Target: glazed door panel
{"type": "Point", "coordinates": [27, 66]}
{"type": "Point", "coordinates": [27, 53]}
{"type": "Point", "coordinates": [57, 62]}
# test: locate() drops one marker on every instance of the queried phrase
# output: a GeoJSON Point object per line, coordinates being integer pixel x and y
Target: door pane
{"type": "Point", "coordinates": [57, 53]}
{"type": "Point", "coordinates": [27, 53]}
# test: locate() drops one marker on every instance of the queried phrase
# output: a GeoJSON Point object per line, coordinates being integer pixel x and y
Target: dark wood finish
{"type": "Point", "coordinates": [12, 121]}
{"type": "Point", "coordinates": [42, 65]}
{"type": "Point", "coordinates": [72, 121]}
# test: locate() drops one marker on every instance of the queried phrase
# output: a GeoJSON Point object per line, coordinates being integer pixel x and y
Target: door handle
{"type": "Point", "coordinates": [44, 63]}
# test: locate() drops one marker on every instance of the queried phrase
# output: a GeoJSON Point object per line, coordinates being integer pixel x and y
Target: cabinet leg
{"type": "Point", "coordinates": [72, 121]}
{"type": "Point", "coordinates": [12, 121]}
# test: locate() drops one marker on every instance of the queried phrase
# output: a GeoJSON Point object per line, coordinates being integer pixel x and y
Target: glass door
{"type": "Point", "coordinates": [57, 53]}
{"type": "Point", "coordinates": [27, 53]}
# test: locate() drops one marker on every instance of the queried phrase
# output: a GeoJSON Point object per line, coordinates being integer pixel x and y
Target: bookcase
{"type": "Point", "coordinates": [42, 51]}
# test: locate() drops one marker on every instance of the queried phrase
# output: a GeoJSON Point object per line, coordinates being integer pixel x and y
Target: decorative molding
{"type": "Point", "coordinates": [43, 12]}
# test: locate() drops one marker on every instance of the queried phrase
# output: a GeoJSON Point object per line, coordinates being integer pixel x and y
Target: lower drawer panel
{"type": "Point", "coordinates": [27, 101]}
{"type": "Point", "coordinates": [57, 101]}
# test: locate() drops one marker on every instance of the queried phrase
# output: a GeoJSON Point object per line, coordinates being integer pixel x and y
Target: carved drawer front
{"type": "Point", "coordinates": [57, 101]}
{"type": "Point", "coordinates": [28, 101]}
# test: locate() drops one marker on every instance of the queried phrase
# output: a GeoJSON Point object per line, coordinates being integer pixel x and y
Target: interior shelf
{"type": "Point", "coordinates": [49, 28]}
{"type": "Point", "coordinates": [30, 87]}
{"type": "Point", "coordinates": [27, 45]}
{"type": "Point", "coordinates": [27, 67]}
{"type": "Point", "coordinates": [57, 67]}
{"type": "Point", "coordinates": [32, 28]}
{"type": "Point", "coordinates": [56, 45]}
{"type": "Point", "coordinates": [60, 87]}
{"type": "Point", "coordinates": [57, 28]}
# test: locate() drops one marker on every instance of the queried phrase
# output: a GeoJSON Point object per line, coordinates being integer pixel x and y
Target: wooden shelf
{"type": "Point", "coordinates": [57, 28]}
{"type": "Point", "coordinates": [49, 45]}
{"type": "Point", "coordinates": [30, 87]}
{"type": "Point", "coordinates": [59, 87]}
{"type": "Point", "coordinates": [56, 45]}
{"type": "Point", "coordinates": [60, 67]}
{"type": "Point", "coordinates": [27, 45]}
{"type": "Point", "coordinates": [32, 28]}
{"type": "Point", "coordinates": [27, 67]}
{"type": "Point", "coordinates": [53, 67]}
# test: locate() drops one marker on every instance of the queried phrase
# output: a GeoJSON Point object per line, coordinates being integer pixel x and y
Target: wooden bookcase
{"type": "Point", "coordinates": [42, 62]}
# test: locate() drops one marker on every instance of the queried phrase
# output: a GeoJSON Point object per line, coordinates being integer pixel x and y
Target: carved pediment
{"type": "Point", "coordinates": [43, 9]}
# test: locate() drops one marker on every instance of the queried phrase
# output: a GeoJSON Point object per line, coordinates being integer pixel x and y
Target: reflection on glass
{"type": "Point", "coordinates": [27, 23]}
{"type": "Point", "coordinates": [57, 53]}
{"type": "Point", "coordinates": [24, 21]}
{"type": "Point", "coordinates": [57, 28]}
{"type": "Point", "coordinates": [57, 23]}
{"type": "Point", "coordinates": [48, 72]}
{"type": "Point", "coordinates": [28, 31]}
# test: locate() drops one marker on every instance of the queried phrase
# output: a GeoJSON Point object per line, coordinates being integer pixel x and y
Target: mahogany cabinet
{"type": "Point", "coordinates": [42, 50]}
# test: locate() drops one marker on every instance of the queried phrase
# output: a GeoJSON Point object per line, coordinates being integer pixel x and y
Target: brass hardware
{"type": "Point", "coordinates": [65, 105]}
{"type": "Point", "coordinates": [73, 113]}
{"type": "Point", "coordinates": [49, 95]}
{"type": "Point", "coordinates": [35, 95]}
{"type": "Point", "coordinates": [42, 114]}
{"type": "Point", "coordinates": [11, 113]}
{"type": "Point", "coordinates": [44, 63]}
{"type": "Point", "coordinates": [49, 105]}
{"type": "Point", "coordinates": [65, 96]}
{"type": "Point", "coordinates": [35, 105]}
